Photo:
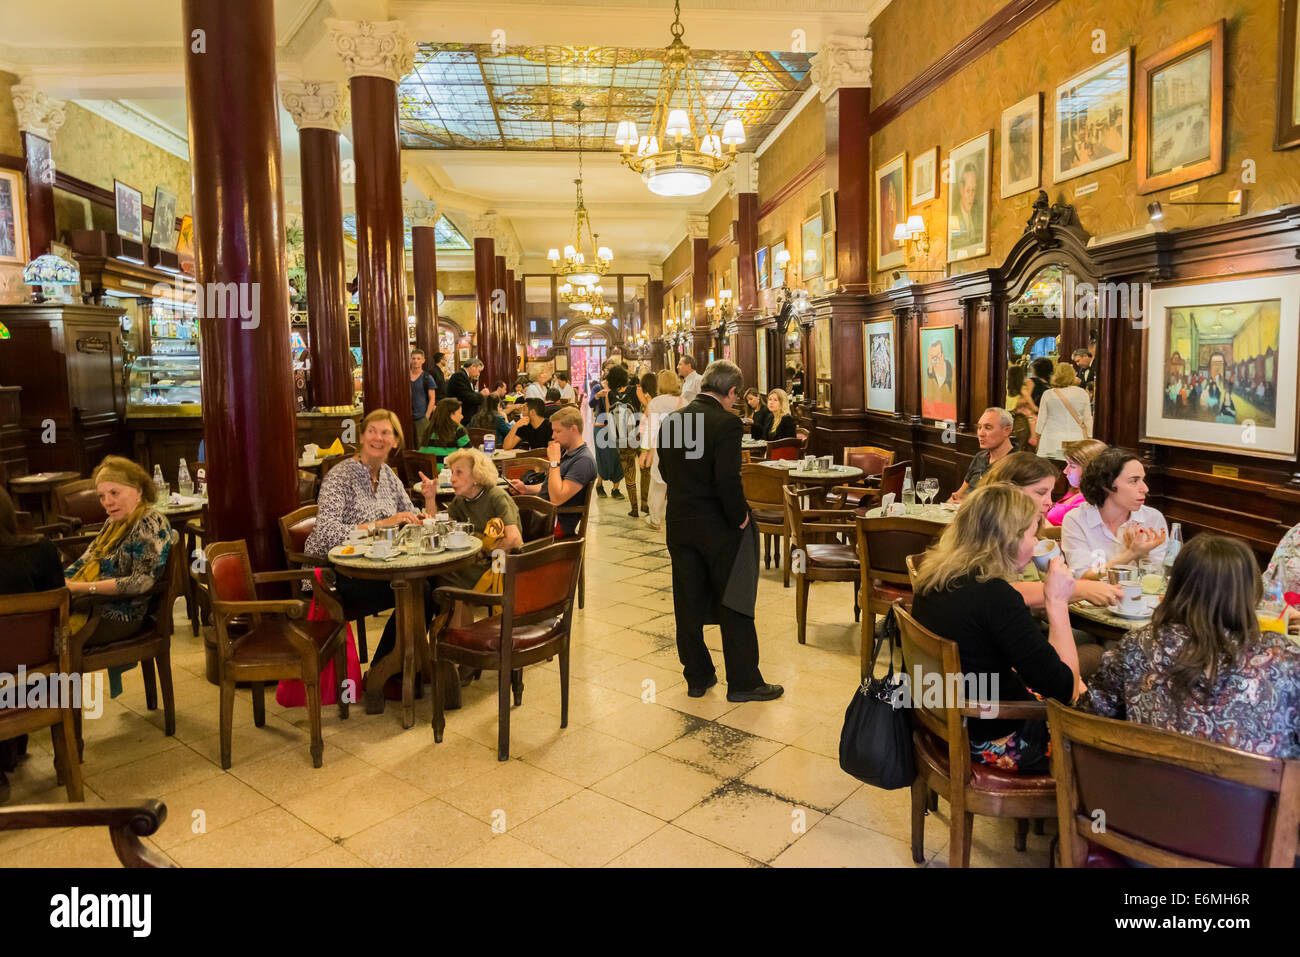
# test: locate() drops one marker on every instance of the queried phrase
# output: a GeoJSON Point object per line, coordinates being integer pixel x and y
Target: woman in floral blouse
{"type": "Point", "coordinates": [364, 493]}
{"type": "Point", "coordinates": [1203, 667]}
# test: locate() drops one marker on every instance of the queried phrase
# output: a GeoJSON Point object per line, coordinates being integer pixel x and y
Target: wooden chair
{"type": "Point", "coordinates": [279, 643]}
{"type": "Point", "coordinates": [126, 824]}
{"type": "Point", "coordinates": [308, 487]}
{"type": "Point", "coordinates": [873, 461]}
{"type": "Point", "coordinates": [884, 545]}
{"type": "Point", "coordinates": [580, 533]}
{"type": "Point", "coordinates": [196, 535]}
{"type": "Point", "coordinates": [77, 503]}
{"type": "Point", "coordinates": [534, 625]}
{"type": "Point", "coordinates": [891, 480]}
{"type": "Point", "coordinates": [942, 747]}
{"type": "Point", "coordinates": [517, 467]}
{"type": "Point", "coordinates": [151, 646]}
{"type": "Point", "coordinates": [413, 463]}
{"type": "Point", "coordinates": [1169, 799]}
{"type": "Point", "coordinates": [476, 436]}
{"type": "Point", "coordinates": [35, 630]}
{"type": "Point", "coordinates": [294, 529]}
{"type": "Point", "coordinates": [822, 561]}
{"type": "Point", "coordinates": [784, 449]}
{"type": "Point", "coordinates": [762, 486]}
{"type": "Point", "coordinates": [536, 519]}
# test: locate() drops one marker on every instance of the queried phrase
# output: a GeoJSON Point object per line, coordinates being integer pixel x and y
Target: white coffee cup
{"type": "Point", "coordinates": [1044, 552]}
{"type": "Point", "coordinates": [1132, 603]}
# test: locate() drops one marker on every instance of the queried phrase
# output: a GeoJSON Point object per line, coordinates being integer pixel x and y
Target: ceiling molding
{"type": "Point", "coordinates": [139, 123]}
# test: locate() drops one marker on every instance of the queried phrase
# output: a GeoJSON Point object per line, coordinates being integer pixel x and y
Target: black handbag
{"type": "Point", "coordinates": [876, 742]}
{"type": "Point", "coordinates": [533, 477]}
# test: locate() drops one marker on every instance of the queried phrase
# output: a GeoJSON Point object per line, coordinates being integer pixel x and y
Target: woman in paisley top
{"type": "Point", "coordinates": [364, 493]}
{"type": "Point", "coordinates": [1203, 667]}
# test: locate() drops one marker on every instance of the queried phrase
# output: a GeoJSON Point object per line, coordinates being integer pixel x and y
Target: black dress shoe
{"type": "Point", "coordinates": [698, 691]}
{"type": "Point", "coordinates": [761, 693]}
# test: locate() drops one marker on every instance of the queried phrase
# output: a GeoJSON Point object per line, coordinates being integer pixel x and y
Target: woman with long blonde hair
{"type": "Point", "coordinates": [782, 424]}
{"type": "Point", "coordinates": [963, 592]}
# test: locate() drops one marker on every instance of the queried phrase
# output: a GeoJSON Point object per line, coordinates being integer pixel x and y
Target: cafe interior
{"type": "Point", "coordinates": [933, 237]}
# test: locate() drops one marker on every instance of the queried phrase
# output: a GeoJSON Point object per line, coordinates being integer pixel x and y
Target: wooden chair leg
{"type": "Point", "coordinates": [801, 607]}
{"type": "Point", "coordinates": [503, 715]}
{"type": "Point", "coordinates": [959, 840]}
{"type": "Point", "coordinates": [934, 800]}
{"type": "Point", "coordinates": [227, 719]}
{"type": "Point", "coordinates": [920, 792]}
{"type": "Point", "coordinates": [857, 609]}
{"type": "Point", "coordinates": [517, 685]}
{"type": "Point", "coordinates": [1022, 833]}
{"type": "Point", "coordinates": [150, 689]}
{"type": "Point", "coordinates": [787, 556]}
{"type": "Point", "coordinates": [313, 714]}
{"type": "Point", "coordinates": [76, 727]}
{"type": "Point", "coordinates": [164, 664]}
{"type": "Point", "coordinates": [362, 653]}
{"type": "Point", "coordinates": [1040, 826]}
{"type": "Point", "coordinates": [65, 739]}
{"type": "Point", "coordinates": [767, 550]}
{"type": "Point", "coordinates": [564, 687]}
{"type": "Point", "coordinates": [259, 703]}
{"type": "Point", "coordinates": [582, 585]}
{"type": "Point", "coordinates": [439, 680]}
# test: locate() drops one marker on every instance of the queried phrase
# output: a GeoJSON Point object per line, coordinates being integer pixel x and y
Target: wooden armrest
{"type": "Point", "coordinates": [859, 489]}
{"type": "Point", "coordinates": [830, 527]}
{"type": "Point", "coordinates": [533, 545]}
{"type": "Point", "coordinates": [71, 522]}
{"type": "Point", "coordinates": [308, 561]}
{"type": "Point", "coordinates": [467, 595]}
{"type": "Point", "coordinates": [1005, 710]}
{"type": "Point", "coordinates": [293, 574]}
{"type": "Point", "coordinates": [127, 823]}
{"type": "Point", "coordinates": [287, 607]}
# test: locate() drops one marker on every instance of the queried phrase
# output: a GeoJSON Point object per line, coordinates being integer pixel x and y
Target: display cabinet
{"type": "Point", "coordinates": [164, 383]}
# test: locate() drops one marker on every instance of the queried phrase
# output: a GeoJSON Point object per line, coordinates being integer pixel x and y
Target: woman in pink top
{"type": "Point", "coordinates": [1077, 456]}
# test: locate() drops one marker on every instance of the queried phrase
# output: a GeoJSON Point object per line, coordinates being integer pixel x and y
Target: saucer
{"type": "Point", "coordinates": [454, 541]}
{"type": "Point", "coordinates": [1141, 616]}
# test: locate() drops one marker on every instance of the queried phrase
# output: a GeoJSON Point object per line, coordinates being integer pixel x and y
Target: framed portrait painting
{"type": "Point", "coordinates": [164, 234]}
{"type": "Point", "coordinates": [939, 373]}
{"type": "Point", "coordinates": [1021, 147]}
{"type": "Point", "coordinates": [130, 212]}
{"type": "Point", "coordinates": [810, 234]}
{"type": "Point", "coordinates": [1288, 77]}
{"type": "Point", "coordinates": [891, 209]}
{"type": "Point", "coordinates": [1090, 128]}
{"type": "Point", "coordinates": [13, 219]}
{"type": "Point", "coordinates": [968, 199]}
{"type": "Point", "coordinates": [925, 176]}
{"type": "Point", "coordinates": [762, 268]}
{"type": "Point", "coordinates": [1180, 112]}
{"type": "Point", "coordinates": [778, 268]}
{"type": "Point", "coordinates": [882, 375]}
{"type": "Point", "coordinates": [1221, 365]}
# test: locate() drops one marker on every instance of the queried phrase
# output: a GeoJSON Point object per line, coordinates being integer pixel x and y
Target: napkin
{"type": "Point", "coordinates": [335, 449]}
{"type": "Point", "coordinates": [886, 500]}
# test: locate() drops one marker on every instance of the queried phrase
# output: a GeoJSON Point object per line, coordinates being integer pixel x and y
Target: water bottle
{"type": "Point", "coordinates": [164, 492]}
{"type": "Point", "coordinates": [184, 484]}
{"type": "Point", "coordinates": [909, 492]}
{"type": "Point", "coordinates": [1173, 546]}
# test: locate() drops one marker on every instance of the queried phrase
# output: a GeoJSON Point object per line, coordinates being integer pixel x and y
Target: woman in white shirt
{"type": "Point", "coordinates": [1064, 414]}
{"type": "Point", "coordinates": [668, 399]}
{"type": "Point", "coordinates": [1115, 527]}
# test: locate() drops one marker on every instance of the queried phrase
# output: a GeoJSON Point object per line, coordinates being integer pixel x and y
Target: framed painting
{"type": "Point", "coordinates": [827, 201]}
{"type": "Point", "coordinates": [880, 361]}
{"type": "Point", "coordinates": [1021, 146]}
{"type": "Point", "coordinates": [968, 199]}
{"type": "Point", "coordinates": [891, 209]}
{"type": "Point", "coordinates": [828, 256]}
{"type": "Point", "coordinates": [130, 212]}
{"type": "Point", "coordinates": [925, 176]}
{"type": "Point", "coordinates": [164, 234]}
{"type": "Point", "coordinates": [810, 234]}
{"type": "Point", "coordinates": [13, 218]}
{"type": "Point", "coordinates": [778, 269]}
{"type": "Point", "coordinates": [1180, 112]}
{"type": "Point", "coordinates": [1090, 128]}
{"type": "Point", "coordinates": [1288, 77]}
{"type": "Point", "coordinates": [1221, 365]}
{"type": "Point", "coordinates": [939, 373]}
{"type": "Point", "coordinates": [762, 268]}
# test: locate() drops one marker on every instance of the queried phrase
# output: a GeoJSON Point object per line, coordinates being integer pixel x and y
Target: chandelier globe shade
{"type": "Point", "coordinates": [681, 153]}
{"type": "Point", "coordinates": [573, 265]}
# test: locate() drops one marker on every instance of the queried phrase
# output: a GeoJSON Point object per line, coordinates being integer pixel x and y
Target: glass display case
{"type": "Point", "coordinates": [173, 328]}
{"type": "Point", "coordinates": [164, 383]}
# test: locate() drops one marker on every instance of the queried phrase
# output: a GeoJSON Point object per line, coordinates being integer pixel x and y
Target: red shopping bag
{"type": "Point", "coordinates": [292, 694]}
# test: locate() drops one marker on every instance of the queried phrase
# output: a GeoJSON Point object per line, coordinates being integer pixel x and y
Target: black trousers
{"type": "Point", "coordinates": [363, 597]}
{"type": "Point", "coordinates": [700, 575]}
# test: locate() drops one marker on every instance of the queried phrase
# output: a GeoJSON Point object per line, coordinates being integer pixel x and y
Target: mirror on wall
{"type": "Point", "coordinates": [1033, 337]}
{"type": "Point", "coordinates": [792, 375]}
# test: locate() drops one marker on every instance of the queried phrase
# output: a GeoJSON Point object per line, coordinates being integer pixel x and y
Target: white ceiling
{"type": "Point", "coordinates": [130, 51]}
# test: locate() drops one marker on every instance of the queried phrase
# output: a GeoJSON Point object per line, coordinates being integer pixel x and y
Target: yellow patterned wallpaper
{"type": "Point", "coordinates": [1048, 51]}
{"type": "Point", "coordinates": [798, 145]}
{"type": "Point", "coordinates": [909, 37]}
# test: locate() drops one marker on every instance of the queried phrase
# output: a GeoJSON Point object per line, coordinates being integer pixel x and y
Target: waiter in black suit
{"type": "Point", "coordinates": [463, 385]}
{"type": "Point", "coordinates": [699, 458]}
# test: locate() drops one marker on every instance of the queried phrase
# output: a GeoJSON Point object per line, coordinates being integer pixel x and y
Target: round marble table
{"type": "Point", "coordinates": [926, 513]}
{"type": "Point", "coordinates": [42, 484]}
{"type": "Point", "coordinates": [822, 478]}
{"type": "Point", "coordinates": [408, 603]}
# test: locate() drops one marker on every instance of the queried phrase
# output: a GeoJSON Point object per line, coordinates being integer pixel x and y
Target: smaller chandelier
{"type": "Point", "coordinates": [574, 266]}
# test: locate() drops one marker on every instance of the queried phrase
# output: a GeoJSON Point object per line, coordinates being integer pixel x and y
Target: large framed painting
{"type": "Point", "coordinates": [130, 212]}
{"type": "Point", "coordinates": [778, 268]}
{"type": "Point", "coordinates": [761, 268]}
{"type": "Point", "coordinates": [891, 209]}
{"type": "Point", "coordinates": [925, 176]}
{"type": "Point", "coordinates": [810, 234]}
{"type": "Point", "coordinates": [13, 221]}
{"type": "Point", "coordinates": [882, 378]}
{"type": "Point", "coordinates": [164, 234]}
{"type": "Point", "coordinates": [1288, 77]}
{"type": "Point", "coordinates": [939, 373]}
{"type": "Point", "coordinates": [968, 199]}
{"type": "Point", "coordinates": [1221, 363]}
{"type": "Point", "coordinates": [1090, 128]}
{"type": "Point", "coordinates": [1021, 146]}
{"type": "Point", "coordinates": [1180, 112]}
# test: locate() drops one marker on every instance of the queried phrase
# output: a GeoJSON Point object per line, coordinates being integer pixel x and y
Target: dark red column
{"type": "Point", "coordinates": [848, 153]}
{"type": "Point", "coordinates": [327, 294]}
{"type": "Point", "coordinates": [485, 266]}
{"type": "Point", "coordinates": [746, 355]}
{"type": "Point", "coordinates": [248, 402]}
{"type": "Point", "coordinates": [512, 336]}
{"type": "Point", "coordinates": [702, 338]}
{"type": "Point", "coordinates": [381, 259]}
{"type": "Point", "coordinates": [424, 257]}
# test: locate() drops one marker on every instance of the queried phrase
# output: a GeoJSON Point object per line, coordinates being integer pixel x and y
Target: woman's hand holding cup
{"type": "Point", "coordinates": [1058, 585]}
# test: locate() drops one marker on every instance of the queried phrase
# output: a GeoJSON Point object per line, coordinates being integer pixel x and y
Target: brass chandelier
{"type": "Point", "coordinates": [574, 266]}
{"type": "Point", "coordinates": [681, 153]}
{"type": "Point", "coordinates": [588, 300]}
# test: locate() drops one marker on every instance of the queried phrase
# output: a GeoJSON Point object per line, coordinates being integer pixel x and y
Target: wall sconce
{"type": "Point", "coordinates": [1236, 201]}
{"type": "Point", "coordinates": [913, 231]}
{"type": "Point", "coordinates": [783, 260]}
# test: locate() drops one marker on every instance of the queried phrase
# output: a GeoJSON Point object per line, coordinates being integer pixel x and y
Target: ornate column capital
{"type": "Point", "coordinates": [842, 61]}
{"type": "Point", "coordinates": [656, 273]}
{"type": "Point", "coordinates": [744, 175]}
{"type": "Point", "coordinates": [316, 105]}
{"type": "Point", "coordinates": [697, 226]}
{"type": "Point", "coordinates": [38, 113]}
{"type": "Point", "coordinates": [421, 212]}
{"type": "Point", "coordinates": [487, 226]}
{"type": "Point", "coordinates": [372, 48]}
{"type": "Point", "coordinates": [515, 262]}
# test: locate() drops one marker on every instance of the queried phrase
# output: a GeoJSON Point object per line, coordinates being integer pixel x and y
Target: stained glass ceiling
{"type": "Point", "coordinates": [445, 235]}
{"type": "Point", "coordinates": [463, 96]}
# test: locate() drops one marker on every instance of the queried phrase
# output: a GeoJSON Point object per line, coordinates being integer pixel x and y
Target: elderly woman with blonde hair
{"type": "Point", "coordinates": [485, 505]}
